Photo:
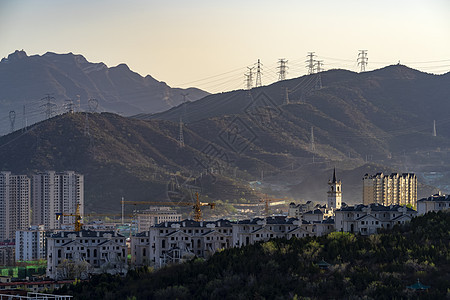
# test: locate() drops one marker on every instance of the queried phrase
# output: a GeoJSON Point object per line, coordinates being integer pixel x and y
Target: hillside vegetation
{"type": "Point", "coordinates": [374, 267]}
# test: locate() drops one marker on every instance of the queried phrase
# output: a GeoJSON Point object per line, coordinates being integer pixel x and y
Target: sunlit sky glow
{"type": "Point", "coordinates": [208, 43]}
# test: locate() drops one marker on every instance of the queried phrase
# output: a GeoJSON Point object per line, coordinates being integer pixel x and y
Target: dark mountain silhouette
{"type": "Point", "coordinates": [25, 80]}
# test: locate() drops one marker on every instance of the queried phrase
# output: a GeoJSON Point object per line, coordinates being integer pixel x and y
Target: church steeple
{"type": "Point", "coordinates": [335, 193]}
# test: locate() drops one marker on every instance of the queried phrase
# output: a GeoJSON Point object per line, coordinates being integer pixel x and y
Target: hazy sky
{"type": "Point", "coordinates": [209, 43]}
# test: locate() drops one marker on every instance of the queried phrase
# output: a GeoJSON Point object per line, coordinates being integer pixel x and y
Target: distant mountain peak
{"type": "Point", "coordinates": [16, 55]}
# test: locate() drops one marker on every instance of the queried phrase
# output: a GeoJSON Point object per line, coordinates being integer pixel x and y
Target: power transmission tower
{"type": "Point", "coordinates": [24, 119]}
{"type": "Point", "coordinates": [318, 66]}
{"type": "Point", "coordinates": [434, 127]}
{"type": "Point", "coordinates": [86, 126]}
{"type": "Point", "coordinates": [286, 95]}
{"type": "Point", "coordinates": [318, 84]}
{"type": "Point", "coordinates": [184, 97]}
{"type": "Point", "coordinates": [310, 62]}
{"type": "Point", "coordinates": [362, 60]}
{"type": "Point", "coordinates": [49, 106]}
{"type": "Point", "coordinates": [93, 104]}
{"type": "Point", "coordinates": [313, 145]}
{"type": "Point", "coordinates": [12, 119]}
{"type": "Point", "coordinates": [180, 135]}
{"type": "Point", "coordinates": [249, 78]}
{"type": "Point", "coordinates": [69, 106]}
{"type": "Point", "coordinates": [258, 74]}
{"type": "Point", "coordinates": [184, 102]}
{"type": "Point", "coordinates": [283, 69]}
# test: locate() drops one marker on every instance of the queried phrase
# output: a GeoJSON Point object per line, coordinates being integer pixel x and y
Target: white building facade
{"type": "Point", "coordinates": [100, 251]}
{"type": "Point", "coordinates": [434, 203]}
{"type": "Point", "coordinates": [173, 242]}
{"type": "Point", "coordinates": [247, 232]}
{"type": "Point", "coordinates": [31, 244]}
{"type": "Point", "coordinates": [140, 249]}
{"type": "Point", "coordinates": [56, 193]}
{"type": "Point", "coordinates": [14, 204]}
{"type": "Point", "coordinates": [367, 219]}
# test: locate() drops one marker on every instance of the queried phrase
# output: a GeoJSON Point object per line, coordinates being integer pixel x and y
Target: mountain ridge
{"type": "Point", "coordinates": [72, 80]}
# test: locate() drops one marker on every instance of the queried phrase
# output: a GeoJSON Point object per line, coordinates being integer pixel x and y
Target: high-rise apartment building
{"type": "Point", "coordinates": [394, 189]}
{"type": "Point", "coordinates": [57, 193]}
{"type": "Point", "coordinates": [14, 204]}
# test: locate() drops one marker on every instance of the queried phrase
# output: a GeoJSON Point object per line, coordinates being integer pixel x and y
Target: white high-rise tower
{"type": "Point", "coordinates": [14, 204]}
{"type": "Point", "coordinates": [56, 193]}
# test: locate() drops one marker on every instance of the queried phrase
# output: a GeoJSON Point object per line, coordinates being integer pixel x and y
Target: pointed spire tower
{"type": "Point", "coordinates": [334, 193]}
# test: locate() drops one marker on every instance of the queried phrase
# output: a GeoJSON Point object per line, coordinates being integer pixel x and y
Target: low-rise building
{"type": "Point", "coordinates": [367, 219]}
{"type": "Point", "coordinates": [90, 251]}
{"type": "Point", "coordinates": [434, 203]}
{"type": "Point", "coordinates": [7, 253]}
{"type": "Point", "coordinates": [173, 242]}
{"type": "Point", "coordinates": [247, 232]}
{"type": "Point", "coordinates": [140, 248]}
{"type": "Point", "coordinates": [296, 210]}
{"type": "Point", "coordinates": [31, 244]}
{"type": "Point", "coordinates": [156, 215]}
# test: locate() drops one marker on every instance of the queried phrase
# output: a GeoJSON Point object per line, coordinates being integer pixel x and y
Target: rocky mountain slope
{"type": "Point", "coordinates": [247, 144]}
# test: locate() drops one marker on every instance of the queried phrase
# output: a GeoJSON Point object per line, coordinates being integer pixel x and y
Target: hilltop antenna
{"type": "Point", "coordinates": [313, 145]}
{"type": "Point", "coordinates": [49, 106]}
{"type": "Point", "coordinates": [258, 74]}
{"type": "Point", "coordinates": [310, 62]}
{"type": "Point", "coordinates": [12, 119]}
{"type": "Point", "coordinates": [434, 127]}
{"type": "Point", "coordinates": [362, 60]}
{"type": "Point", "coordinates": [283, 69]}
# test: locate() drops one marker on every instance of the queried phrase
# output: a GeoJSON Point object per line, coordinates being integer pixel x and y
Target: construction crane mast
{"type": "Point", "coordinates": [266, 200]}
{"type": "Point", "coordinates": [77, 215]}
{"type": "Point", "coordinates": [196, 206]}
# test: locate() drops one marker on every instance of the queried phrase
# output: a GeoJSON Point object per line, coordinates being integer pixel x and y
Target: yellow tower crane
{"type": "Point", "coordinates": [77, 215]}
